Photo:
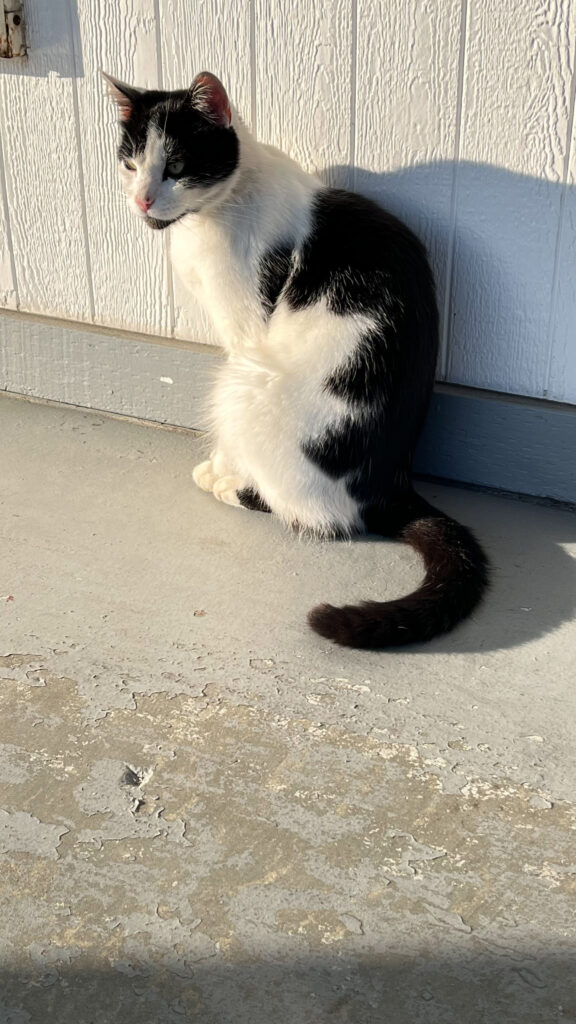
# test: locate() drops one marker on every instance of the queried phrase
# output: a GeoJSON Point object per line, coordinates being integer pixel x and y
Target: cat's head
{"type": "Point", "coordinates": [178, 151]}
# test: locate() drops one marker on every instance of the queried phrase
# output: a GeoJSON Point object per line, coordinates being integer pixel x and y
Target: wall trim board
{"type": "Point", "coordinates": [98, 368]}
{"type": "Point", "coordinates": [504, 442]}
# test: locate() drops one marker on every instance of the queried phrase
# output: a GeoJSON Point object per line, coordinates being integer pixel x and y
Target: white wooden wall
{"type": "Point", "coordinates": [458, 114]}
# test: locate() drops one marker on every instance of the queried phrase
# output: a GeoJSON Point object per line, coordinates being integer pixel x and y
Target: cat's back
{"type": "Point", "coordinates": [344, 219]}
{"type": "Point", "coordinates": [355, 252]}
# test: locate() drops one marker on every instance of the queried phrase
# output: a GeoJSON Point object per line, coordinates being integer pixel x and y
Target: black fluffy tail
{"type": "Point", "coordinates": [456, 577]}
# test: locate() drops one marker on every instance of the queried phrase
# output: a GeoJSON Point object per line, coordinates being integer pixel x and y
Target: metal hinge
{"type": "Point", "coordinates": [12, 37]}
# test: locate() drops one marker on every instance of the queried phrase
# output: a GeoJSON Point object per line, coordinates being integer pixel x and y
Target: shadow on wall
{"type": "Point", "coordinates": [429, 988]}
{"type": "Point", "coordinates": [506, 235]}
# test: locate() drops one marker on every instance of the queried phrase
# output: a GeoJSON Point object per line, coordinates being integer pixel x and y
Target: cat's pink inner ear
{"type": "Point", "coordinates": [209, 96]}
{"type": "Point", "coordinates": [122, 95]}
{"type": "Point", "coordinates": [124, 107]}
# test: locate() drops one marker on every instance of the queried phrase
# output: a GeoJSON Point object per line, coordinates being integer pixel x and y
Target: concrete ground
{"type": "Point", "coordinates": [211, 815]}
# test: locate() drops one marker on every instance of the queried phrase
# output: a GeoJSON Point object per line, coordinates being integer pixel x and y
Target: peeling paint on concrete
{"type": "Point", "coordinates": [21, 832]}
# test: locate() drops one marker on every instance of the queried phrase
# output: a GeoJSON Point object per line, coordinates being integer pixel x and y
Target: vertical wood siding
{"type": "Point", "coordinates": [42, 170]}
{"type": "Point", "coordinates": [457, 114]}
{"type": "Point", "coordinates": [129, 268]}
{"type": "Point", "coordinates": [303, 70]}
{"type": "Point", "coordinates": [513, 141]}
{"type": "Point", "coordinates": [407, 118]}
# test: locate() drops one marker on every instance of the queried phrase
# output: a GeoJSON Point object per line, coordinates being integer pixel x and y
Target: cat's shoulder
{"type": "Point", "coordinates": [341, 217]}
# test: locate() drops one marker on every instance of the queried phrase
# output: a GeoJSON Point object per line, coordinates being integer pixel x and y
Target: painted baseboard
{"type": "Point", "coordinates": [100, 368]}
{"type": "Point", "coordinates": [477, 437]}
{"type": "Point", "coordinates": [506, 442]}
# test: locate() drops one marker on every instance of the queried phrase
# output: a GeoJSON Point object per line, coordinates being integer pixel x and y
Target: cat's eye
{"type": "Point", "coordinates": [129, 165]}
{"type": "Point", "coordinates": [174, 168]}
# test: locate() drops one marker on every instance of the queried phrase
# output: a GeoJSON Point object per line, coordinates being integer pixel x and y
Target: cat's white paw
{"type": "Point", "coordinates": [226, 489]}
{"type": "Point", "coordinates": [204, 476]}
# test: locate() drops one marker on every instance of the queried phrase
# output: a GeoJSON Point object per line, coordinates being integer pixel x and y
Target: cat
{"type": "Point", "coordinates": [325, 304]}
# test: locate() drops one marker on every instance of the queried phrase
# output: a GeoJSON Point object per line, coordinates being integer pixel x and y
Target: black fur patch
{"type": "Point", "coordinates": [359, 256]}
{"type": "Point", "coordinates": [274, 270]}
{"type": "Point", "coordinates": [209, 152]}
{"type": "Point", "coordinates": [249, 498]}
{"type": "Point", "coordinates": [337, 452]}
{"type": "Point", "coordinates": [365, 261]}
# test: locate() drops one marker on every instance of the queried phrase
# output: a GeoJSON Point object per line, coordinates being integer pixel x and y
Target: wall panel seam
{"type": "Point", "coordinates": [561, 224]}
{"type": "Point", "coordinates": [6, 208]}
{"type": "Point", "coordinates": [76, 108]}
{"type": "Point", "coordinates": [253, 83]}
{"type": "Point", "coordinates": [353, 90]}
{"type": "Point", "coordinates": [446, 338]}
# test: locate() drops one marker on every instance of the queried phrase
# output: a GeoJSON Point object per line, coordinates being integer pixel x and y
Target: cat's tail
{"type": "Point", "coordinates": [457, 573]}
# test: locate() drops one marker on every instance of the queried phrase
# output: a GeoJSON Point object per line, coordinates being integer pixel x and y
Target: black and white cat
{"type": "Point", "coordinates": [325, 305]}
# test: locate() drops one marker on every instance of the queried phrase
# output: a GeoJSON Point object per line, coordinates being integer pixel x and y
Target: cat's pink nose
{"type": "Point", "coordinates": [144, 204]}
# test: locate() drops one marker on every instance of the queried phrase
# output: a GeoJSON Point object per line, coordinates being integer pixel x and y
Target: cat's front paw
{"type": "Point", "coordinates": [226, 489]}
{"type": "Point", "coordinates": [204, 476]}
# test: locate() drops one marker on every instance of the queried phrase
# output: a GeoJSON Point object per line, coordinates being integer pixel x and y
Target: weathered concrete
{"type": "Point", "coordinates": [211, 815]}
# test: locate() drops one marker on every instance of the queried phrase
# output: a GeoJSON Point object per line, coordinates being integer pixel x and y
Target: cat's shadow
{"type": "Point", "coordinates": [532, 588]}
{"type": "Point", "coordinates": [534, 579]}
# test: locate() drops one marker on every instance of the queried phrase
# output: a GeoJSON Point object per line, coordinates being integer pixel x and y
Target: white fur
{"type": "Point", "coordinates": [269, 397]}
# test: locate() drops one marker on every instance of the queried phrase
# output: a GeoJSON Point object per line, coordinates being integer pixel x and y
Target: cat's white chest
{"type": "Point", "coordinates": [218, 270]}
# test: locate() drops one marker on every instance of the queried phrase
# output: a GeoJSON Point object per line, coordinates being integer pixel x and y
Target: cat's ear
{"type": "Point", "coordinates": [208, 95]}
{"type": "Point", "coordinates": [125, 96]}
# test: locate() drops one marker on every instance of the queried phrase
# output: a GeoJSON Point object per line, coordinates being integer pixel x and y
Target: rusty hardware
{"type": "Point", "coordinates": [12, 37]}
